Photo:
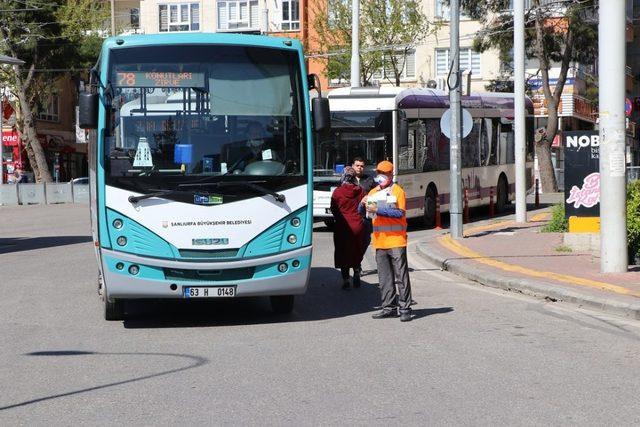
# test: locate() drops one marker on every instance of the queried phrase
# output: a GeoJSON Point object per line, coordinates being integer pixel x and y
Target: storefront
{"type": "Point", "coordinates": [13, 154]}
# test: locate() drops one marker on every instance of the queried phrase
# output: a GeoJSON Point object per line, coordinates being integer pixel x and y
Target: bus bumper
{"type": "Point", "coordinates": [251, 277]}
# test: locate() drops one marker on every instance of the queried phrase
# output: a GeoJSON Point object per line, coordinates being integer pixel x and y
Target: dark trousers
{"type": "Point", "coordinates": [393, 270]}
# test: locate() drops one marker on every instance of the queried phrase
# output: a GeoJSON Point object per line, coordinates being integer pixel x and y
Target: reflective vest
{"type": "Point", "coordinates": [390, 232]}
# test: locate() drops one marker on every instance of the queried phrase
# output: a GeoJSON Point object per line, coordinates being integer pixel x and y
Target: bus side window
{"type": "Point", "coordinates": [407, 154]}
{"type": "Point", "coordinates": [470, 146]}
{"type": "Point", "coordinates": [488, 143]}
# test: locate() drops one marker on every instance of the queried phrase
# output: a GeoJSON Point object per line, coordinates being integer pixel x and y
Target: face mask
{"type": "Point", "coordinates": [381, 180]}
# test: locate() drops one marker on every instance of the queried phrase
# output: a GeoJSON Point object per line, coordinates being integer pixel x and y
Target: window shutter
{"type": "Point", "coordinates": [163, 25]}
{"type": "Point", "coordinates": [223, 19]}
{"type": "Point", "coordinates": [475, 63]}
{"type": "Point", "coordinates": [173, 14]}
{"type": "Point", "coordinates": [464, 59]}
{"type": "Point", "coordinates": [442, 61]}
{"type": "Point", "coordinates": [195, 17]}
{"type": "Point", "coordinates": [184, 13]}
{"type": "Point", "coordinates": [254, 15]}
{"type": "Point", "coordinates": [410, 64]}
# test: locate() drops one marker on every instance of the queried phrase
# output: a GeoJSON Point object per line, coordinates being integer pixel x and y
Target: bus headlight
{"type": "Point", "coordinates": [117, 223]}
{"type": "Point", "coordinates": [134, 269]}
{"type": "Point", "coordinates": [296, 222]}
{"type": "Point", "coordinates": [295, 263]}
{"type": "Point", "coordinates": [282, 267]}
{"type": "Point", "coordinates": [119, 266]}
{"type": "Point", "coordinates": [122, 240]}
{"type": "Point", "coordinates": [292, 239]}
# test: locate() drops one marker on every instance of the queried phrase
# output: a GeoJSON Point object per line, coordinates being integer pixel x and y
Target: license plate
{"type": "Point", "coordinates": [209, 291]}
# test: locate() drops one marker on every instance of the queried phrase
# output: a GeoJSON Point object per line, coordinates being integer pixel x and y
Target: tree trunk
{"type": "Point", "coordinates": [543, 150]}
{"type": "Point", "coordinates": [545, 165]}
{"type": "Point", "coordinates": [30, 137]}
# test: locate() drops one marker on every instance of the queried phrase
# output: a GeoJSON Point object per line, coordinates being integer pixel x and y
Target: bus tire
{"type": "Point", "coordinates": [429, 216]}
{"type": "Point", "coordinates": [113, 310]}
{"type": "Point", "coordinates": [502, 194]}
{"type": "Point", "coordinates": [282, 304]}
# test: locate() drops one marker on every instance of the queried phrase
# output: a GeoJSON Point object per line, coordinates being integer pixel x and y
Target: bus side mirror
{"type": "Point", "coordinates": [403, 128]}
{"type": "Point", "coordinates": [88, 110]}
{"type": "Point", "coordinates": [321, 115]}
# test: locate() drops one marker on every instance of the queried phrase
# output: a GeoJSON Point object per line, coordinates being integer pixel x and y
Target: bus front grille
{"type": "Point", "coordinates": [222, 253]}
{"type": "Point", "coordinates": [209, 275]}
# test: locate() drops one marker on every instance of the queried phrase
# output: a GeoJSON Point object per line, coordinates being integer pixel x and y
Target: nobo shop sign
{"type": "Point", "coordinates": [581, 173]}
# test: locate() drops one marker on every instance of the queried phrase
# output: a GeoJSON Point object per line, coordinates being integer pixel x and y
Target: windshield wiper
{"type": "Point", "coordinates": [259, 188]}
{"type": "Point", "coordinates": [154, 193]}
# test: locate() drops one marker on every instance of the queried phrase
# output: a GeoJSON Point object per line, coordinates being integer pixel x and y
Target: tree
{"type": "Point", "coordinates": [49, 37]}
{"type": "Point", "coordinates": [557, 33]}
{"type": "Point", "coordinates": [389, 30]}
{"type": "Point", "coordinates": [399, 30]}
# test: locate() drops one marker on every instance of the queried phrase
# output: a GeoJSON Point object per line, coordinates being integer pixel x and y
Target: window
{"type": "Point", "coordinates": [238, 14]}
{"type": "Point", "coordinates": [50, 111]}
{"type": "Point", "coordinates": [407, 62]}
{"type": "Point", "coordinates": [469, 60]}
{"type": "Point", "coordinates": [444, 11]}
{"type": "Point", "coordinates": [134, 17]}
{"type": "Point", "coordinates": [179, 17]}
{"type": "Point", "coordinates": [290, 15]}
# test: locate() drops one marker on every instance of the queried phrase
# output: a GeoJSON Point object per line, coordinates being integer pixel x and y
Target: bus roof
{"type": "Point", "coordinates": [137, 40]}
{"type": "Point", "coordinates": [390, 98]}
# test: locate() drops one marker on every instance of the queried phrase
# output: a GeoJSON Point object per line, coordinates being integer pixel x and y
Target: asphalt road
{"type": "Point", "coordinates": [472, 356]}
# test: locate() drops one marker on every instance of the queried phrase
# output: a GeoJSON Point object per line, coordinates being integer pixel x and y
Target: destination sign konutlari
{"type": "Point", "coordinates": [159, 79]}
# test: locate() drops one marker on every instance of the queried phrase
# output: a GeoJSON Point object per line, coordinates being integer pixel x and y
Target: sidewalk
{"type": "Point", "coordinates": [520, 258]}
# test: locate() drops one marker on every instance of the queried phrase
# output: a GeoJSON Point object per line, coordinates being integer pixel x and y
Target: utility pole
{"type": "Point", "coordinates": [355, 44]}
{"type": "Point", "coordinates": [455, 157]}
{"type": "Point", "coordinates": [611, 63]}
{"type": "Point", "coordinates": [113, 17]}
{"type": "Point", "coordinates": [519, 119]}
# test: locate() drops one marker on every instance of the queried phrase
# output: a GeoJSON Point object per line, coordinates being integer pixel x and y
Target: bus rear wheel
{"type": "Point", "coordinates": [282, 304]}
{"type": "Point", "coordinates": [429, 216]}
{"type": "Point", "coordinates": [502, 195]}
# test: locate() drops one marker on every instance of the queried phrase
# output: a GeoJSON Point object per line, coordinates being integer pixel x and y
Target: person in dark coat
{"type": "Point", "coordinates": [349, 230]}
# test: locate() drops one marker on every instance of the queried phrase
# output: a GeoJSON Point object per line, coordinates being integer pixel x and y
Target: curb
{"type": "Point", "coordinates": [607, 302]}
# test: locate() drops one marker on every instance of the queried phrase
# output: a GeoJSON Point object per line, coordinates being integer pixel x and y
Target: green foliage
{"type": "Point", "coordinates": [558, 223]}
{"type": "Point", "coordinates": [53, 38]}
{"type": "Point", "coordinates": [388, 30]}
{"type": "Point", "coordinates": [563, 248]}
{"type": "Point", "coordinates": [633, 219]}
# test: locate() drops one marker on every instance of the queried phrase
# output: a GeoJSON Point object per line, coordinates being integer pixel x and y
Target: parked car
{"type": "Point", "coordinates": [80, 181]}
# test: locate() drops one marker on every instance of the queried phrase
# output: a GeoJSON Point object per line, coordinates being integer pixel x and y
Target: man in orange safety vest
{"type": "Point", "coordinates": [386, 204]}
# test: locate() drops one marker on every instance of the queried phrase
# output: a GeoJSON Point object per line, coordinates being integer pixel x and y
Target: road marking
{"type": "Point", "coordinates": [459, 249]}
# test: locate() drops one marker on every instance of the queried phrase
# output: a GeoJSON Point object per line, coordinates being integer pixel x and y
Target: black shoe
{"type": "Point", "coordinates": [406, 316]}
{"type": "Point", "coordinates": [345, 285]}
{"type": "Point", "coordinates": [384, 314]}
{"type": "Point", "coordinates": [356, 281]}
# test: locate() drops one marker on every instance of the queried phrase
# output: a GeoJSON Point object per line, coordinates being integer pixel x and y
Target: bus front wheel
{"type": "Point", "coordinates": [282, 304]}
{"type": "Point", "coordinates": [113, 310]}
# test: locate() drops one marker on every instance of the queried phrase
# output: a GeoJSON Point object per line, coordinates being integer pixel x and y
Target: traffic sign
{"type": "Point", "coordinates": [467, 123]}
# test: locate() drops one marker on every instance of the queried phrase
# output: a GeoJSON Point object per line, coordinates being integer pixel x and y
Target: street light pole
{"type": "Point", "coordinates": [455, 93]}
{"type": "Point", "coordinates": [611, 63]}
{"type": "Point", "coordinates": [519, 107]}
{"type": "Point", "coordinates": [355, 44]}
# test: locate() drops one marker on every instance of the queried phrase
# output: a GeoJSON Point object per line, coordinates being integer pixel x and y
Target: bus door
{"type": "Point", "coordinates": [471, 163]}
